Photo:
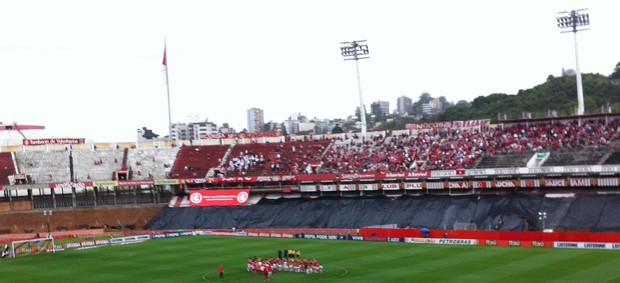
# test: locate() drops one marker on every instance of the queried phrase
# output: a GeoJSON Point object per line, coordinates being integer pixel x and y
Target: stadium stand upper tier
{"type": "Point", "coordinates": [6, 167]}
{"type": "Point", "coordinates": [45, 166]}
{"type": "Point", "coordinates": [151, 163]}
{"type": "Point", "coordinates": [567, 142]}
{"type": "Point", "coordinates": [54, 166]}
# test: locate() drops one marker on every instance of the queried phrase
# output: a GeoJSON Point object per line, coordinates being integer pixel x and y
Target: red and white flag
{"type": "Point", "coordinates": [164, 61]}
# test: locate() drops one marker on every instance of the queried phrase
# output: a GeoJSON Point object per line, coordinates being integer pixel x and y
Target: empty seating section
{"type": "Point", "coordinates": [88, 164]}
{"type": "Point", "coordinates": [6, 167]}
{"type": "Point", "coordinates": [581, 156]}
{"type": "Point", "coordinates": [614, 158]}
{"type": "Point", "coordinates": [45, 167]}
{"type": "Point", "coordinates": [96, 164]}
{"type": "Point", "coordinates": [195, 161]}
{"type": "Point", "coordinates": [505, 160]}
{"type": "Point", "coordinates": [151, 163]}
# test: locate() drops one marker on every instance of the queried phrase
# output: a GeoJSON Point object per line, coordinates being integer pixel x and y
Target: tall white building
{"type": "Point", "coordinates": [403, 105]}
{"type": "Point", "coordinates": [256, 119]}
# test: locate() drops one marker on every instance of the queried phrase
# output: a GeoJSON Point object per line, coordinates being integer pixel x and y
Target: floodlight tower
{"type": "Point", "coordinates": [572, 20]}
{"type": "Point", "coordinates": [353, 50]}
{"type": "Point", "coordinates": [542, 216]}
{"type": "Point", "coordinates": [48, 213]}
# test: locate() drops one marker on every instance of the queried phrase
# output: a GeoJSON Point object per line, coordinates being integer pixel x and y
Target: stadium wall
{"type": "Point", "coordinates": [76, 219]}
{"type": "Point", "coordinates": [494, 235]}
{"type": "Point", "coordinates": [327, 231]}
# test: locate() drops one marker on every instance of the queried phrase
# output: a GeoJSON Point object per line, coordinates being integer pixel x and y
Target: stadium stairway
{"type": "Point", "coordinates": [612, 156]}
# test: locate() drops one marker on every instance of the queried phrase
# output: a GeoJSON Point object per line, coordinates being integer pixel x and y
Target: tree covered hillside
{"type": "Point", "coordinates": [557, 94]}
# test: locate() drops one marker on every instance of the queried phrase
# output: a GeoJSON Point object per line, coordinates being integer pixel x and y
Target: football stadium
{"type": "Point", "coordinates": [469, 196]}
{"type": "Point", "coordinates": [436, 192]}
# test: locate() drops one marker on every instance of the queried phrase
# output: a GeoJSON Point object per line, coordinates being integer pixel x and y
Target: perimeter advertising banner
{"type": "Point", "coordinates": [106, 183]}
{"type": "Point", "coordinates": [69, 185]}
{"type": "Point", "coordinates": [136, 182]}
{"type": "Point", "coordinates": [219, 197]}
{"type": "Point", "coordinates": [52, 141]}
{"type": "Point", "coordinates": [167, 182]}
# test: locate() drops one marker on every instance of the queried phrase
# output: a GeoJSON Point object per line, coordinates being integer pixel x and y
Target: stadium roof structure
{"type": "Point", "coordinates": [15, 134]}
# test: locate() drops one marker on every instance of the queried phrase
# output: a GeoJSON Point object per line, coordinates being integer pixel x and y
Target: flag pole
{"type": "Point", "coordinates": [165, 63]}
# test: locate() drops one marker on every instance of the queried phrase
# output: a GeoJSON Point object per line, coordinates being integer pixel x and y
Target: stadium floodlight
{"type": "Point", "coordinates": [542, 216]}
{"type": "Point", "coordinates": [48, 213]}
{"type": "Point", "coordinates": [572, 21]}
{"type": "Point", "coordinates": [355, 50]}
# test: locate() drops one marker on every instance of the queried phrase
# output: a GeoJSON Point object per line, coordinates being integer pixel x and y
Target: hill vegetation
{"type": "Point", "coordinates": [556, 95]}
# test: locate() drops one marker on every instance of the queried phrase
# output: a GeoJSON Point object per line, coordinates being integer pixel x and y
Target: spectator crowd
{"type": "Point", "coordinates": [432, 149]}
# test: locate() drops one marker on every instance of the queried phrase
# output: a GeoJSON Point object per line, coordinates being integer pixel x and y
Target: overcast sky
{"type": "Point", "coordinates": [93, 69]}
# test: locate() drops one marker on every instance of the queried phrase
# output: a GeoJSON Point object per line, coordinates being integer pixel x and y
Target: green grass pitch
{"type": "Point", "coordinates": [195, 259]}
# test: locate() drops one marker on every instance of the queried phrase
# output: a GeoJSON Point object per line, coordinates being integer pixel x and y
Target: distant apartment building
{"type": "Point", "coordinates": [438, 104]}
{"type": "Point", "coordinates": [434, 106]}
{"type": "Point", "coordinates": [226, 129]}
{"type": "Point", "coordinates": [380, 109]}
{"type": "Point", "coordinates": [272, 126]}
{"type": "Point", "coordinates": [256, 119]}
{"type": "Point", "coordinates": [404, 106]}
{"type": "Point", "coordinates": [323, 126]}
{"type": "Point", "coordinates": [429, 108]}
{"type": "Point", "coordinates": [193, 130]}
{"type": "Point", "coordinates": [298, 123]}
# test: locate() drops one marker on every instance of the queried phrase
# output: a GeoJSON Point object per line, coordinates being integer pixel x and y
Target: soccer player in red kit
{"type": "Point", "coordinates": [265, 275]}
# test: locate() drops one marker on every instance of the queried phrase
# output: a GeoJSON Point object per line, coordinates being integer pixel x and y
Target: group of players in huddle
{"type": "Point", "coordinates": [267, 267]}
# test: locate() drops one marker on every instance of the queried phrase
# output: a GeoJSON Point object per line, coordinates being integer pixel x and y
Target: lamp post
{"type": "Point", "coordinates": [353, 50]}
{"type": "Point", "coordinates": [542, 216]}
{"type": "Point", "coordinates": [572, 20]}
{"type": "Point", "coordinates": [48, 213]}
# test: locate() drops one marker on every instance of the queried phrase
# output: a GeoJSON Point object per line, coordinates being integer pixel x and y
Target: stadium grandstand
{"type": "Point", "coordinates": [436, 175]}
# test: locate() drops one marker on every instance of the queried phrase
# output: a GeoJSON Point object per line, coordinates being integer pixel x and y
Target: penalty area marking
{"type": "Point", "coordinates": [345, 271]}
{"type": "Point", "coordinates": [204, 277]}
